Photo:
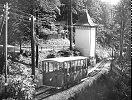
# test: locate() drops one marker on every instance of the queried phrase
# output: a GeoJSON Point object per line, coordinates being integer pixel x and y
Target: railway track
{"type": "Point", "coordinates": [46, 91]}
{"type": "Point", "coordinates": [98, 68]}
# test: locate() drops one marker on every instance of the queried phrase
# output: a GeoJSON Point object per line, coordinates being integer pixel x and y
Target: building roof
{"type": "Point", "coordinates": [85, 20]}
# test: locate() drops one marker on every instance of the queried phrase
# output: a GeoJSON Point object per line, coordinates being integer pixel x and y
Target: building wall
{"type": "Point", "coordinates": [85, 40]}
{"type": "Point", "coordinates": [93, 40]}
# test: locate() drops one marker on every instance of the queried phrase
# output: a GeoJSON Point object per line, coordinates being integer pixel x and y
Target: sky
{"type": "Point", "coordinates": [112, 2]}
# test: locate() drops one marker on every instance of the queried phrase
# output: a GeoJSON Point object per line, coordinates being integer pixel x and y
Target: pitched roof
{"type": "Point", "coordinates": [85, 20]}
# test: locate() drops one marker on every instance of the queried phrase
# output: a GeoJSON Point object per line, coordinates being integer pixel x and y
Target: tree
{"type": "Point", "coordinates": [123, 20]}
{"type": "Point", "coordinates": [21, 11]}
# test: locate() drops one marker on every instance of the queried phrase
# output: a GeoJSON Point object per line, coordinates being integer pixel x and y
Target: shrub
{"type": "Point", "coordinates": [65, 53]}
{"type": "Point", "coordinates": [20, 84]}
{"type": "Point", "coordinates": [52, 54]}
{"type": "Point", "coordinates": [97, 58]}
{"type": "Point", "coordinates": [26, 53]}
{"type": "Point", "coordinates": [76, 52]}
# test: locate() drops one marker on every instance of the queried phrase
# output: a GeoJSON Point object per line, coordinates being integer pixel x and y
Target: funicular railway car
{"type": "Point", "coordinates": [62, 71]}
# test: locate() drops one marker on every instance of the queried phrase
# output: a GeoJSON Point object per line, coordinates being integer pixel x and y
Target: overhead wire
{"type": "Point", "coordinates": [13, 11]}
{"type": "Point", "coordinates": [21, 12]}
{"type": "Point", "coordinates": [21, 16]}
{"type": "Point", "coordinates": [1, 6]}
{"type": "Point", "coordinates": [16, 10]}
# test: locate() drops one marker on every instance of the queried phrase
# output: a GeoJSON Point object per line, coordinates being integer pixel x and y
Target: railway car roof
{"type": "Point", "coordinates": [65, 59]}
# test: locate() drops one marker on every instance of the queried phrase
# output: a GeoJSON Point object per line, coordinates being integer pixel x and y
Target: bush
{"type": "Point", "coordinates": [20, 84]}
{"type": "Point", "coordinates": [52, 54]}
{"type": "Point", "coordinates": [65, 53]}
{"type": "Point", "coordinates": [26, 53]}
{"type": "Point", "coordinates": [97, 58]}
{"type": "Point", "coordinates": [76, 52]}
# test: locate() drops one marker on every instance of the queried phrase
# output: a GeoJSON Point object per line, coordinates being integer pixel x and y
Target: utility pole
{"type": "Point", "coordinates": [121, 45]}
{"type": "Point", "coordinates": [5, 41]}
{"type": "Point", "coordinates": [121, 39]}
{"type": "Point", "coordinates": [37, 47]}
{"type": "Point", "coordinates": [71, 24]}
{"type": "Point", "coordinates": [32, 46]}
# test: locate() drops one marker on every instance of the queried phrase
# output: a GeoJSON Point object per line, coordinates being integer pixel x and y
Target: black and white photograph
{"type": "Point", "coordinates": [65, 49]}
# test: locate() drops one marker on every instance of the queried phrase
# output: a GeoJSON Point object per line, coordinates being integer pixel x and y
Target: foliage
{"type": "Point", "coordinates": [68, 52]}
{"type": "Point", "coordinates": [20, 84]}
{"type": "Point", "coordinates": [122, 23]}
{"type": "Point", "coordinates": [20, 12]}
{"type": "Point", "coordinates": [76, 52]}
{"type": "Point", "coordinates": [121, 86]}
{"type": "Point", "coordinates": [116, 33]}
{"type": "Point", "coordinates": [110, 33]}
{"type": "Point", "coordinates": [64, 53]}
{"type": "Point", "coordinates": [52, 54]}
{"type": "Point", "coordinates": [76, 9]}
{"type": "Point", "coordinates": [97, 10]}
{"type": "Point", "coordinates": [97, 58]}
